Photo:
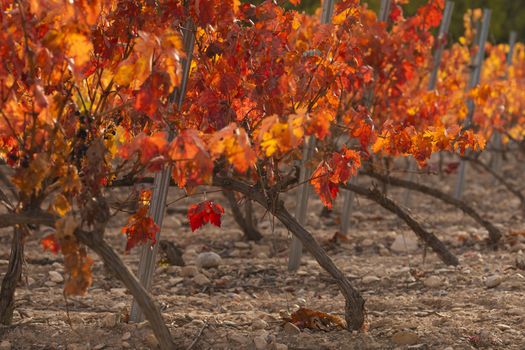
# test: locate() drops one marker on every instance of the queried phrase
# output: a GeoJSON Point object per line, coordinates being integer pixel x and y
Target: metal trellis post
{"type": "Point", "coordinates": [162, 181]}
{"type": "Point", "coordinates": [296, 247]}
{"type": "Point", "coordinates": [473, 82]}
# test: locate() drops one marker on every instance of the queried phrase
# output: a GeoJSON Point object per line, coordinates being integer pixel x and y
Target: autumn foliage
{"type": "Point", "coordinates": [89, 93]}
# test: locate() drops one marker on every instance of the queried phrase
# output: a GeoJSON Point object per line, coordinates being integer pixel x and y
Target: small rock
{"type": "Point", "coordinates": [241, 245]}
{"type": "Point", "coordinates": [301, 302]}
{"type": "Point", "coordinates": [291, 329]}
{"type": "Point", "coordinates": [493, 281]}
{"type": "Point", "coordinates": [503, 327]}
{"type": "Point", "coordinates": [238, 338]}
{"type": "Point", "coordinates": [405, 338]}
{"type": "Point", "coordinates": [49, 284]}
{"type": "Point", "coordinates": [173, 281]}
{"type": "Point", "coordinates": [109, 321]}
{"type": "Point", "coordinates": [126, 336]}
{"type": "Point", "coordinates": [260, 342]}
{"type": "Point", "coordinates": [4, 262]}
{"type": "Point", "coordinates": [189, 271]}
{"type": "Point", "coordinates": [367, 242]}
{"type": "Point", "coordinates": [208, 260]}
{"type": "Point", "coordinates": [433, 282]}
{"type": "Point", "coordinates": [5, 345]}
{"type": "Point", "coordinates": [99, 346]}
{"type": "Point", "coordinates": [55, 277]}
{"type": "Point", "coordinates": [278, 346]}
{"type": "Point", "coordinates": [125, 345]}
{"type": "Point", "coordinates": [370, 279]}
{"type": "Point", "coordinates": [259, 324]}
{"type": "Point", "coordinates": [404, 244]}
{"type": "Point", "coordinates": [151, 341]}
{"type": "Point", "coordinates": [201, 280]}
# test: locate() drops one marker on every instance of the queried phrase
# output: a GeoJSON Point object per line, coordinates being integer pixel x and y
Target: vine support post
{"type": "Point", "coordinates": [161, 182]}
{"type": "Point", "coordinates": [296, 247]}
{"type": "Point", "coordinates": [473, 82]}
{"type": "Point", "coordinates": [436, 63]}
{"type": "Point", "coordinates": [349, 196]}
{"type": "Point", "coordinates": [496, 138]}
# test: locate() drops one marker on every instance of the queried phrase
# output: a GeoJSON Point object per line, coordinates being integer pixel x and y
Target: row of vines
{"type": "Point", "coordinates": [91, 99]}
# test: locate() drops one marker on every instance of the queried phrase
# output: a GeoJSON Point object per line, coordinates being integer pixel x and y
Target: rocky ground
{"type": "Point", "coordinates": [413, 300]}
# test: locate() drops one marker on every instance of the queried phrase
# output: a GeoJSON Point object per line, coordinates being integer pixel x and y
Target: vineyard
{"type": "Point", "coordinates": [223, 175]}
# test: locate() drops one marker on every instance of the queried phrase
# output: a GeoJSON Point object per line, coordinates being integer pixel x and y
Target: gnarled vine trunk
{"type": "Point", "coordinates": [354, 302]}
{"type": "Point", "coordinates": [11, 278]}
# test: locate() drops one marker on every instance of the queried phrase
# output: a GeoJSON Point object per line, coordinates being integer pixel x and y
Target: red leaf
{"type": "Point", "coordinates": [50, 243]}
{"type": "Point", "coordinates": [140, 229]}
{"type": "Point", "coordinates": [203, 213]}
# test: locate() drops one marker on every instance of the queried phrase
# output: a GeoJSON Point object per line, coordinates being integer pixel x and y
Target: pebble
{"type": "Point", "coordinates": [49, 284]}
{"type": "Point", "coordinates": [493, 281]}
{"type": "Point", "coordinates": [503, 327]}
{"type": "Point", "coordinates": [99, 346]}
{"type": "Point", "coordinates": [404, 244]}
{"type": "Point", "coordinates": [4, 262]}
{"type": "Point", "coordinates": [238, 338]}
{"type": "Point", "coordinates": [241, 245]}
{"type": "Point", "coordinates": [201, 280]}
{"type": "Point", "coordinates": [126, 336]}
{"type": "Point", "coordinates": [433, 282]}
{"type": "Point", "coordinates": [189, 271]}
{"type": "Point", "coordinates": [208, 260]}
{"type": "Point", "coordinates": [370, 279]}
{"type": "Point", "coordinates": [279, 346]}
{"type": "Point", "coordinates": [109, 321]}
{"type": "Point", "coordinates": [5, 345]}
{"type": "Point", "coordinates": [260, 342]}
{"type": "Point", "coordinates": [125, 345]}
{"type": "Point", "coordinates": [173, 281]}
{"type": "Point", "coordinates": [259, 324]}
{"type": "Point", "coordinates": [291, 329]}
{"type": "Point", "coordinates": [55, 277]}
{"type": "Point", "coordinates": [405, 338]}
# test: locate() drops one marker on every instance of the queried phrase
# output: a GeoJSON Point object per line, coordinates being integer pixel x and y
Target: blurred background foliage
{"type": "Point", "coordinates": [507, 15]}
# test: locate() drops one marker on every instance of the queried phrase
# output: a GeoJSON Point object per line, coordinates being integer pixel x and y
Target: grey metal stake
{"type": "Point", "coordinates": [348, 196]}
{"type": "Point", "coordinates": [162, 181]}
{"type": "Point", "coordinates": [473, 82]}
{"type": "Point", "coordinates": [496, 139]}
{"type": "Point", "coordinates": [296, 247]}
{"type": "Point", "coordinates": [436, 63]}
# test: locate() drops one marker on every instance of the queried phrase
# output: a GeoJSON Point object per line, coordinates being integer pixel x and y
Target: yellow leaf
{"type": "Point", "coordinates": [79, 48]}
{"type": "Point", "coordinates": [61, 205]}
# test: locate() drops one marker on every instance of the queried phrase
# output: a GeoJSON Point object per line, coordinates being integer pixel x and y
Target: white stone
{"type": "Point", "coordinates": [433, 282]}
{"type": "Point", "coordinates": [189, 271]}
{"type": "Point", "coordinates": [404, 244]}
{"type": "Point", "coordinates": [4, 262]}
{"type": "Point", "coordinates": [55, 277]}
{"type": "Point", "coordinates": [259, 324]}
{"type": "Point", "coordinates": [370, 279]}
{"type": "Point", "coordinates": [201, 280]}
{"type": "Point", "coordinates": [291, 329]}
{"type": "Point", "coordinates": [208, 260]}
{"type": "Point", "coordinates": [493, 281]}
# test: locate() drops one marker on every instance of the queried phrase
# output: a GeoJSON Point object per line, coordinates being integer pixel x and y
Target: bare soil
{"type": "Point", "coordinates": [456, 310]}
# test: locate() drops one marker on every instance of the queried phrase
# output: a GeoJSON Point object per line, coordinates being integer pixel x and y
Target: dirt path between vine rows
{"type": "Point", "coordinates": [411, 298]}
